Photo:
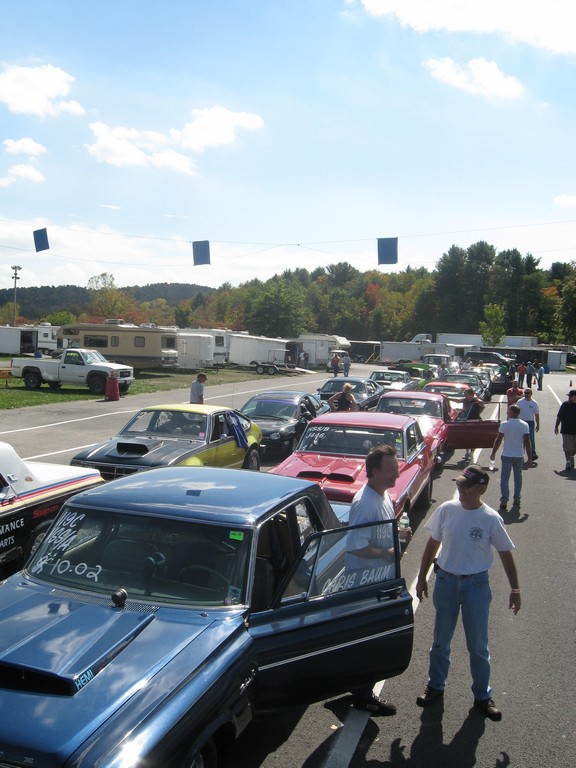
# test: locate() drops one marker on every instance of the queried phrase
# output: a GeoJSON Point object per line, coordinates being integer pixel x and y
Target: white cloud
{"type": "Point", "coordinates": [24, 147]}
{"type": "Point", "coordinates": [22, 172]}
{"type": "Point", "coordinates": [480, 76]}
{"type": "Point", "coordinates": [37, 91]}
{"type": "Point", "coordinates": [213, 127]}
{"type": "Point", "coordinates": [549, 26]}
{"type": "Point", "coordinates": [565, 201]}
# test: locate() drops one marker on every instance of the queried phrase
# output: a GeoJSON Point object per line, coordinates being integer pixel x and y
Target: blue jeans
{"type": "Point", "coordinates": [472, 594]}
{"type": "Point", "coordinates": [511, 464]}
{"type": "Point", "coordinates": [532, 428]}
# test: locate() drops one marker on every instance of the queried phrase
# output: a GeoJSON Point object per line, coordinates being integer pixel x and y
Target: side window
{"type": "Point", "coordinates": [114, 341]}
{"type": "Point", "coordinates": [139, 341]}
{"type": "Point", "coordinates": [334, 561]}
{"type": "Point", "coordinates": [413, 439]}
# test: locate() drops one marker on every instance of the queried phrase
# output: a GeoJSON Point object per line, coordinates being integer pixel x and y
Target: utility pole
{"type": "Point", "coordinates": [16, 278]}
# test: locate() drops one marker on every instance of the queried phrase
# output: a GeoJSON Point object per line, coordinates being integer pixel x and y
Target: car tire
{"type": "Point", "coordinates": [252, 460]}
{"type": "Point", "coordinates": [260, 370]}
{"type": "Point", "coordinates": [123, 388]}
{"type": "Point", "coordinates": [425, 499]}
{"type": "Point", "coordinates": [97, 385]}
{"type": "Point", "coordinates": [36, 538]}
{"type": "Point", "coordinates": [32, 380]}
{"type": "Point", "coordinates": [206, 758]}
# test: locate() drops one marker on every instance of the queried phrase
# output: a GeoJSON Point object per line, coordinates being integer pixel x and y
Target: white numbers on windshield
{"type": "Point", "coordinates": [60, 567]}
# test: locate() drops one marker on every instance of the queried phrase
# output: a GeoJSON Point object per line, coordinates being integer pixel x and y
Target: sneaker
{"type": "Point", "coordinates": [534, 457]}
{"type": "Point", "coordinates": [516, 502]}
{"type": "Point", "coordinates": [502, 507]}
{"type": "Point", "coordinates": [488, 708]}
{"type": "Point", "coordinates": [430, 694]}
{"type": "Point", "coordinates": [376, 706]}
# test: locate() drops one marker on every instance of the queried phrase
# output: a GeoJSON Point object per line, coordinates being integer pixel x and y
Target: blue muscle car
{"type": "Point", "coordinates": [163, 609]}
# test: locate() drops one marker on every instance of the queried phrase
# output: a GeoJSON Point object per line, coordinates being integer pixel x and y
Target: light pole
{"type": "Point", "coordinates": [16, 278]}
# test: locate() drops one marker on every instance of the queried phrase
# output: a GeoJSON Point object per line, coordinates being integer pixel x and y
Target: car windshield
{"type": "Point", "coordinates": [168, 423]}
{"type": "Point", "coordinates": [410, 406]}
{"type": "Point", "coordinates": [155, 559]}
{"type": "Point", "coordinates": [335, 385]}
{"type": "Point", "coordinates": [465, 377]}
{"type": "Point", "coordinates": [452, 392]}
{"type": "Point", "coordinates": [348, 441]}
{"type": "Point", "coordinates": [268, 408]}
{"type": "Point", "coordinates": [93, 356]}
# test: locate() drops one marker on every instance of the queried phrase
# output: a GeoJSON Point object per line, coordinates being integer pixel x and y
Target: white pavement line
{"type": "Point", "coordinates": [56, 453]}
{"type": "Point", "coordinates": [68, 421]}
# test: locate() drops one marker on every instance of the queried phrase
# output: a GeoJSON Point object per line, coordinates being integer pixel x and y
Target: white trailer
{"type": "Point", "coordinates": [266, 355]}
{"type": "Point", "coordinates": [28, 339]}
{"type": "Point", "coordinates": [195, 351]}
{"type": "Point", "coordinates": [221, 338]}
{"type": "Point", "coordinates": [318, 347]}
{"type": "Point", "coordinates": [395, 351]}
{"type": "Point", "coordinates": [475, 340]}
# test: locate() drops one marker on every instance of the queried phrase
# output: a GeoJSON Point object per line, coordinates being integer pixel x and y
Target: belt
{"type": "Point", "coordinates": [457, 575]}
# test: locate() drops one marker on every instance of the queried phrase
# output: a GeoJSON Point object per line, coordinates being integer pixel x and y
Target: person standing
{"type": "Point", "coordinates": [372, 504]}
{"type": "Point", "coordinates": [343, 401]}
{"type": "Point", "coordinates": [566, 420]}
{"type": "Point", "coordinates": [521, 372]}
{"type": "Point", "coordinates": [335, 363]}
{"type": "Point", "coordinates": [530, 373]}
{"type": "Point", "coordinates": [197, 389]}
{"type": "Point", "coordinates": [516, 436]}
{"type": "Point", "coordinates": [468, 531]}
{"type": "Point", "coordinates": [539, 375]}
{"type": "Point", "coordinates": [472, 407]}
{"type": "Point", "coordinates": [530, 413]}
{"type": "Point", "coordinates": [346, 363]}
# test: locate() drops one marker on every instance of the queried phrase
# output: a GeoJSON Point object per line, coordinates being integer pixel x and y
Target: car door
{"type": "Point", "coordinates": [473, 433]}
{"type": "Point", "coordinates": [332, 627]}
{"type": "Point", "coordinates": [222, 449]}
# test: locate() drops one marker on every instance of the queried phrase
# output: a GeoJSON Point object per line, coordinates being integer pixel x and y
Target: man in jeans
{"type": "Point", "coordinates": [530, 413]}
{"type": "Point", "coordinates": [516, 436]}
{"type": "Point", "coordinates": [468, 531]}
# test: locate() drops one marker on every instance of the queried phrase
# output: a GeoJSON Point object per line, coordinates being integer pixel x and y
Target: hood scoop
{"type": "Point", "coordinates": [68, 652]}
{"type": "Point", "coordinates": [131, 449]}
{"type": "Point", "coordinates": [337, 477]}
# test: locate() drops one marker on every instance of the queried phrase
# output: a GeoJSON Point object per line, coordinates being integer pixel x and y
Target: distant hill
{"type": "Point", "coordinates": [35, 303]}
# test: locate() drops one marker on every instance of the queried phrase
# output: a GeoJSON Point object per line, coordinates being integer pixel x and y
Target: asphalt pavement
{"type": "Point", "coordinates": [533, 653]}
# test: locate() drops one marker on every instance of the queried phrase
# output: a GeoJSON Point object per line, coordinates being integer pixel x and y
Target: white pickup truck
{"type": "Point", "coordinates": [83, 367]}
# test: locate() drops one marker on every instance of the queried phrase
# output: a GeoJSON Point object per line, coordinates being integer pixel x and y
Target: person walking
{"type": "Point", "coordinates": [197, 389]}
{"type": "Point", "coordinates": [372, 504]}
{"type": "Point", "coordinates": [514, 393]}
{"type": "Point", "coordinates": [468, 531]}
{"type": "Point", "coordinates": [530, 413]}
{"type": "Point", "coordinates": [471, 409]}
{"type": "Point", "coordinates": [566, 420]}
{"type": "Point", "coordinates": [516, 436]}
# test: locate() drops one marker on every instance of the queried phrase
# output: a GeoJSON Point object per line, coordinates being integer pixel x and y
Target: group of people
{"type": "Point", "coordinates": [337, 360]}
{"type": "Point", "coordinates": [532, 372]}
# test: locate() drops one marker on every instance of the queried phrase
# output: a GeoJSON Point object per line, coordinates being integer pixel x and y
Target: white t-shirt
{"type": "Point", "coordinates": [468, 537]}
{"type": "Point", "coordinates": [528, 409]}
{"type": "Point", "coordinates": [514, 431]}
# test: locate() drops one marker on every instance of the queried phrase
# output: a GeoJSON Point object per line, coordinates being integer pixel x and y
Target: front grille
{"type": "Point", "coordinates": [112, 471]}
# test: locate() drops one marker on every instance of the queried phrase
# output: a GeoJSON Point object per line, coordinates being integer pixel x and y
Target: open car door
{"type": "Point", "coordinates": [336, 624]}
{"type": "Point", "coordinates": [472, 433]}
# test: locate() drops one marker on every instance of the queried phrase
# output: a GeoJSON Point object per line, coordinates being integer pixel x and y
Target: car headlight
{"type": "Point", "coordinates": [275, 436]}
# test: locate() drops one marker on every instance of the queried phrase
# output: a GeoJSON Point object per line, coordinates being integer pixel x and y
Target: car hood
{"type": "Point", "coordinates": [146, 452]}
{"type": "Point", "coordinates": [69, 661]}
{"type": "Point", "coordinates": [340, 477]}
{"type": "Point", "coordinates": [272, 424]}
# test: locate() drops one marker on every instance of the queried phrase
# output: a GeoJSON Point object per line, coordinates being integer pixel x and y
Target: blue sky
{"type": "Point", "coordinates": [288, 133]}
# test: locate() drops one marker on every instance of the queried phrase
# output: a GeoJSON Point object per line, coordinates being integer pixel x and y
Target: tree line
{"type": "Point", "coordinates": [470, 290]}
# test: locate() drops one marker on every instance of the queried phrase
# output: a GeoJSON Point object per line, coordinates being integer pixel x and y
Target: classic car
{"type": "Point", "coordinates": [332, 452]}
{"type": "Point", "coordinates": [439, 423]}
{"type": "Point", "coordinates": [365, 391]}
{"type": "Point", "coordinates": [481, 389]}
{"type": "Point", "coordinates": [452, 389]}
{"type": "Point", "coordinates": [31, 493]}
{"type": "Point", "coordinates": [393, 379]}
{"type": "Point", "coordinates": [163, 610]}
{"type": "Point", "coordinates": [282, 416]}
{"type": "Point", "coordinates": [178, 434]}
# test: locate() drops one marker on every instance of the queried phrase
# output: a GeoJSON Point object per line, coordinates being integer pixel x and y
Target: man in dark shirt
{"type": "Point", "coordinates": [566, 420]}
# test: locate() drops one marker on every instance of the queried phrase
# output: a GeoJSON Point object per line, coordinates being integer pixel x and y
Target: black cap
{"type": "Point", "coordinates": [474, 474]}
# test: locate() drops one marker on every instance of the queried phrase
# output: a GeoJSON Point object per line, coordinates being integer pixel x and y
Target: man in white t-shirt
{"type": "Point", "coordinates": [516, 436]}
{"type": "Point", "coordinates": [468, 531]}
{"type": "Point", "coordinates": [373, 504]}
{"type": "Point", "coordinates": [530, 413]}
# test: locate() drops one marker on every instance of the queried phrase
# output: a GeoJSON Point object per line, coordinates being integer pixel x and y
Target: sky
{"type": "Point", "coordinates": [287, 133]}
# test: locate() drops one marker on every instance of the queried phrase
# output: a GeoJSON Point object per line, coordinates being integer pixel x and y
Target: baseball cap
{"type": "Point", "coordinates": [572, 392]}
{"type": "Point", "coordinates": [473, 475]}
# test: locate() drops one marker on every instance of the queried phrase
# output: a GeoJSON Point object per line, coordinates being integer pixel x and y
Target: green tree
{"type": "Point", "coordinates": [567, 311]}
{"type": "Point", "coordinates": [106, 300]}
{"type": "Point", "coordinates": [278, 310]}
{"type": "Point", "coordinates": [7, 313]}
{"type": "Point", "coordinates": [492, 327]}
{"type": "Point", "coordinates": [61, 318]}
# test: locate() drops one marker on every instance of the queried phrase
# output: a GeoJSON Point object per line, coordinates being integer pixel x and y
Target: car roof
{"type": "Point", "coordinates": [287, 394]}
{"type": "Point", "coordinates": [344, 379]}
{"type": "Point", "coordinates": [204, 494]}
{"type": "Point", "coordinates": [188, 408]}
{"type": "Point", "coordinates": [364, 419]}
{"type": "Point", "coordinates": [455, 384]}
